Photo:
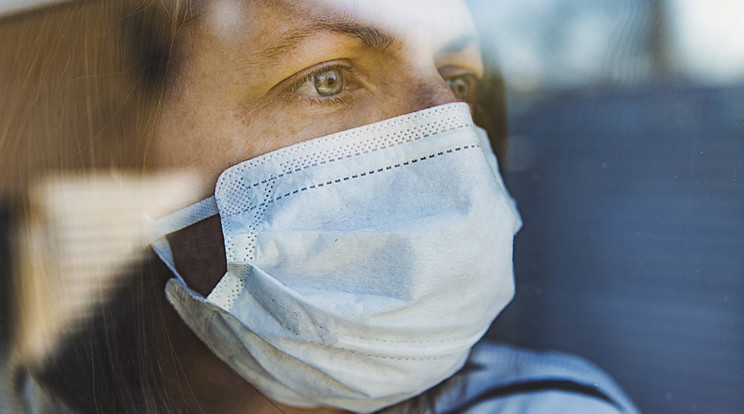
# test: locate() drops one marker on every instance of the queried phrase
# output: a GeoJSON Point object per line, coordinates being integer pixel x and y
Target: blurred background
{"type": "Point", "coordinates": [626, 154]}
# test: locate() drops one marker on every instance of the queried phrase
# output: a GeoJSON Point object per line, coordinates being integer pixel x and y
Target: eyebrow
{"type": "Point", "coordinates": [459, 44]}
{"type": "Point", "coordinates": [371, 37]}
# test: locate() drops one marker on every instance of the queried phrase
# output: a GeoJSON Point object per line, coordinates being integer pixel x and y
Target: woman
{"type": "Point", "coordinates": [353, 241]}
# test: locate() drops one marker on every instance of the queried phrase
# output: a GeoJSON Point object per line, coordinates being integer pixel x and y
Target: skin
{"type": "Point", "coordinates": [247, 86]}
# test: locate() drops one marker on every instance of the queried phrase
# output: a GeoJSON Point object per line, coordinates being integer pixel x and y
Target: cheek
{"type": "Point", "coordinates": [209, 143]}
{"type": "Point", "coordinates": [278, 128]}
{"type": "Point", "coordinates": [202, 142]}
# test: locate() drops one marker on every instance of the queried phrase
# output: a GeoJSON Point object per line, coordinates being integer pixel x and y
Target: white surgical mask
{"type": "Point", "coordinates": [361, 266]}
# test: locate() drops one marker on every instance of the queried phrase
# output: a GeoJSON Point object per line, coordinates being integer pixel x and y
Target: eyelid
{"type": "Point", "coordinates": [452, 71]}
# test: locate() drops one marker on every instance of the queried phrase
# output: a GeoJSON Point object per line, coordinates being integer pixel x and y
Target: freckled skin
{"type": "Point", "coordinates": [232, 103]}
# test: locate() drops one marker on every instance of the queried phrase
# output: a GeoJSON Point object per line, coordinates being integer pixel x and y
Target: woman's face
{"type": "Point", "coordinates": [259, 75]}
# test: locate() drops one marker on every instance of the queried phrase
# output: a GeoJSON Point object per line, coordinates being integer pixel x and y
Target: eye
{"type": "Point", "coordinates": [325, 82]}
{"type": "Point", "coordinates": [462, 86]}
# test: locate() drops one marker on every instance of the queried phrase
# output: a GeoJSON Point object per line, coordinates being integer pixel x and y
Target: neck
{"type": "Point", "coordinates": [214, 386]}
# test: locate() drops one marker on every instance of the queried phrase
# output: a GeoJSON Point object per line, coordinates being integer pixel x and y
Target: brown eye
{"type": "Point", "coordinates": [326, 82]}
{"type": "Point", "coordinates": [461, 86]}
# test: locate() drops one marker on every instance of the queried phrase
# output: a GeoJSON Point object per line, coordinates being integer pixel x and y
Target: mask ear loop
{"type": "Point", "coordinates": [160, 228]}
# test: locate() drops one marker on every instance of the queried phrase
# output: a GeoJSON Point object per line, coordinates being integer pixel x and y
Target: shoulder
{"type": "Point", "coordinates": [503, 379]}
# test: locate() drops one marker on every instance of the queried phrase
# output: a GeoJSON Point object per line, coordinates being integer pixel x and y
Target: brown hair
{"type": "Point", "coordinates": [82, 82]}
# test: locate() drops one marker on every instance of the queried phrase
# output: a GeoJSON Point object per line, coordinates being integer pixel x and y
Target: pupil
{"type": "Point", "coordinates": [328, 82]}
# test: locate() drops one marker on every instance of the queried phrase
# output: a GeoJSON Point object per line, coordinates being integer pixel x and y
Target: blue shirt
{"type": "Point", "coordinates": [500, 379]}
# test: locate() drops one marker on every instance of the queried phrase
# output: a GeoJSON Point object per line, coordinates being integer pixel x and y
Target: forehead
{"type": "Point", "coordinates": [430, 22]}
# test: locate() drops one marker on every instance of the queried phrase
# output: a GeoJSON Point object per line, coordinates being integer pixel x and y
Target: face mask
{"type": "Point", "coordinates": [361, 266]}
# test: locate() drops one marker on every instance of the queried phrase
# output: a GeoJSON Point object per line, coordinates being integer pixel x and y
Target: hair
{"type": "Point", "coordinates": [83, 83]}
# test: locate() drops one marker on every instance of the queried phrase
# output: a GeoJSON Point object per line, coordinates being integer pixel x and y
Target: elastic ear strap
{"type": "Point", "coordinates": [183, 218]}
{"type": "Point", "coordinates": [164, 252]}
{"type": "Point", "coordinates": [175, 222]}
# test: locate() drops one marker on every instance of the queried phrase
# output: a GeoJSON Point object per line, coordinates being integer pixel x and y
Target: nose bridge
{"type": "Point", "coordinates": [430, 90]}
{"type": "Point", "coordinates": [422, 89]}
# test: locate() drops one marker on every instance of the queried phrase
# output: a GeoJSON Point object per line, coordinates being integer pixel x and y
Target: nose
{"type": "Point", "coordinates": [430, 92]}
{"type": "Point", "coordinates": [419, 91]}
